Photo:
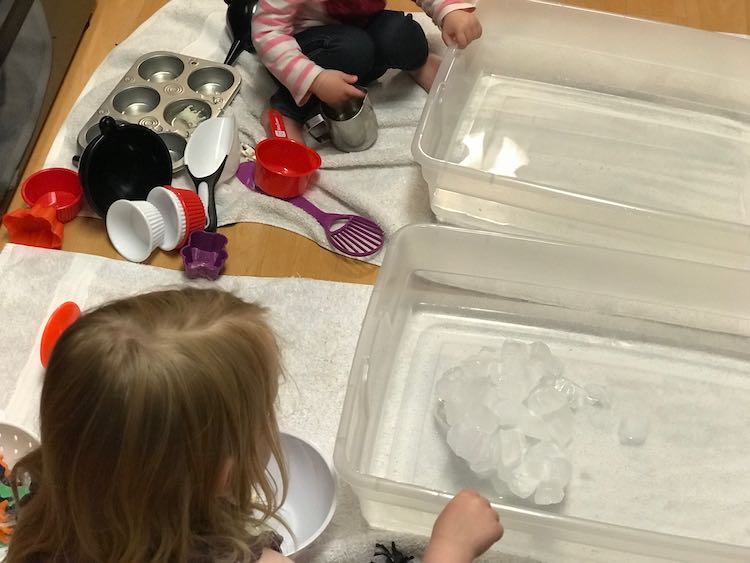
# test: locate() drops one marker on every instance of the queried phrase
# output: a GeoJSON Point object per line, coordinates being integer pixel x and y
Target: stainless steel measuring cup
{"type": "Point", "coordinates": [351, 128]}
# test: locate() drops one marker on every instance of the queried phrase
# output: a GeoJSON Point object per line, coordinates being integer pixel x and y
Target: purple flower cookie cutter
{"type": "Point", "coordinates": [205, 255]}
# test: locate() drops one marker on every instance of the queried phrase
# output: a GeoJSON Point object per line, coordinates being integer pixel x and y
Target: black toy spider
{"type": "Point", "coordinates": [392, 555]}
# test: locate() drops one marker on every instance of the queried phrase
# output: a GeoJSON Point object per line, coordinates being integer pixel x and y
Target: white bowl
{"type": "Point", "coordinates": [311, 498]}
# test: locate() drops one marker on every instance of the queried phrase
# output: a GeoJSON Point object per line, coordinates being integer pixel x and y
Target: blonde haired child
{"type": "Point", "coordinates": [157, 422]}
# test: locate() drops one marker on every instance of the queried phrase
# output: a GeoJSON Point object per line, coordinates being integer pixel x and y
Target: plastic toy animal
{"type": "Point", "coordinates": [392, 555]}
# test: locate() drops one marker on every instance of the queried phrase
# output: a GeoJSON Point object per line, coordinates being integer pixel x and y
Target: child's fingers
{"type": "Point", "coordinates": [461, 40]}
{"type": "Point", "coordinates": [475, 31]}
{"type": "Point", "coordinates": [350, 78]}
{"type": "Point", "coordinates": [353, 92]}
{"type": "Point", "coordinates": [447, 39]}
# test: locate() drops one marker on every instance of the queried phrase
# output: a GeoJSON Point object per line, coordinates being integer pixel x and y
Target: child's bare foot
{"type": "Point", "coordinates": [425, 75]}
{"type": "Point", "coordinates": [293, 128]}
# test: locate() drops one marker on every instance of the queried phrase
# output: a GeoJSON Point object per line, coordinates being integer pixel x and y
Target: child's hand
{"type": "Point", "coordinates": [460, 28]}
{"type": "Point", "coordinates": [335, 88]}
{"type": "Point", "coordinates": [465, 529]}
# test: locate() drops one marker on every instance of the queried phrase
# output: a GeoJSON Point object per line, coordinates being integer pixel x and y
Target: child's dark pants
{"type": "Point", "coordinates": [389, 40]}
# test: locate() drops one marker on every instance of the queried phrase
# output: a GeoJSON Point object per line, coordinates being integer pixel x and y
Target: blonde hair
{"type": "Point", "coordinates": [144, 402]}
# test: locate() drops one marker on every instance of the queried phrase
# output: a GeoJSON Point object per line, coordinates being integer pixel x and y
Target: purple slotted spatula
{"type": "Point", "coordinates": [350, 234]}
{"type": "Point", "coordinates": [355, 236]}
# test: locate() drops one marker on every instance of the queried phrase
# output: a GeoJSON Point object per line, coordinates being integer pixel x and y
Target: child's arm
{"type": "Point", "coordinates": [460, 26]}
{"type": "Point", "coordinates": [465, 529]}
{"type": "Point", "coordinates": [280, 53]}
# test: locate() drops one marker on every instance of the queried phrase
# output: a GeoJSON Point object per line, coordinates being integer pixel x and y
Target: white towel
{"type": "Point", "coordinates": [382, 183]}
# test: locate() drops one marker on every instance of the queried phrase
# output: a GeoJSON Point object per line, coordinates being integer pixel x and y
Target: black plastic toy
{"type": "Point", "coordinates": [392, 555]}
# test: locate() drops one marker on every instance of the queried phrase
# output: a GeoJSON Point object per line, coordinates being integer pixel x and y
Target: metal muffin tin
{"type": "Point", "coordinates": [156, 91]}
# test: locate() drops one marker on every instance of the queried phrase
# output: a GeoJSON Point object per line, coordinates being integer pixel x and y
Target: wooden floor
{"type": "Point", "coordinates": [715, 15]}
{"type": "Point", "coordinates": [268, 251]}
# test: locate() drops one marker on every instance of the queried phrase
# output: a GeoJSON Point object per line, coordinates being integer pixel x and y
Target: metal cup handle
{"type": "Point", "coordinates": [318, 128]}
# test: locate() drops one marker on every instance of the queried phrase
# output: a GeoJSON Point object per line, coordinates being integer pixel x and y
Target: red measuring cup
{"type": "Point", "coordinates": [284, 168]}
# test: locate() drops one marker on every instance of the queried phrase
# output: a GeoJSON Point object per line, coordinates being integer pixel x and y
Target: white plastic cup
{"type": "Point", "coordinates": [135, 228]}
{"type": "Point", "coordinates": [173, 214]}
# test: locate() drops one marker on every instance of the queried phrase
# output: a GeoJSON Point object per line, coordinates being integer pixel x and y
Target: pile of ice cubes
{"type": "Point", "coordinates": [510, 416]}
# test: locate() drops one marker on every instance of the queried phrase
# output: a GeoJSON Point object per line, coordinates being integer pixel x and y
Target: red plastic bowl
{"type": "Point", "coordinates": [55, 187]}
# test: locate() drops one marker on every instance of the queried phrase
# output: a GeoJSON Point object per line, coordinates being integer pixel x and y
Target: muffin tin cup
{"type": "Point", "coordinates": [169, 93]}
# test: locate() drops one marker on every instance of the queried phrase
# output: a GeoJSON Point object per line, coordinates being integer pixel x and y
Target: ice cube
{"type": "Point", "coordinates": [457, 406]}
{"type": "Point", "coordinates": [465, 396]}
{"type": "Point", "coordinates": [558, 471]}
{"type": "Point", "coordinates": [560, 426]}
{"type": "Point", "coordinates": [441, 417]}
{"type": "Point", "coordinates": [514, 388]}
{"type": "Point", "coordinates": [597, 396]}
{"type": "Point", "coordinates": [512, 447]}
{"type": "Point", "coordinates": [510, 413]}
{"type": "Point", "coordinates": [514, 357]}
{"type": "Point", "coordinates": [535, 460]}
{"type": "Point", "coordinates": [544, 464]}
{"type": "Point", "coordinates": [540, 351]}
{"type": "Point", "coordinates": [485, 465]}
{"type": "Point", "coordinates": [507, 411]}
{"type": "Point", "coordinates": [467, 442]}
{"type": "Point", "coordinates": [533, 426]}
{"type": "Point", "coordinates": [548, 493]}
{"type": "Point", "coordinates": [447, 380]}
{"type": "Point", "coordinates": [546, 400]}
{"type": "Point", "coordinates": [483, 419]}
{"type": "Point", "coordinates": [450, 382]}
{"type": "Point", "coordinates": [542, 356]}
{"type": "Point", "coordinates": [536, 373]}
{"type": "Point", "coordinates": [574, 393]}
{"type": "Point", "coordinates": [500, 484]}
{"type": "Point", "coordinates": [633, 429]}
{"type": "Point", "coordinates": [522, 484]}
{"type": "Point", "coordinates": [545, 450]}
{"type": "Point", "coordinates": [529, 473]}
{"type": "Point", "coordinates": [485, 364]}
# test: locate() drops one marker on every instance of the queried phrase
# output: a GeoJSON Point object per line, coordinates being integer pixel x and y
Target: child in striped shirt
{"type": "Point", "coordinates": [318, 50]}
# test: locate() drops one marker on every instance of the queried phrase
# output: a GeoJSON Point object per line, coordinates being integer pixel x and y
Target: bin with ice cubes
{"type": "Point", "coordinates": [599, 398]}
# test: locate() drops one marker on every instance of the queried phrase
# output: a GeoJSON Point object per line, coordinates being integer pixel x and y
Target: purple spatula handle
{"type": "Point", "coordinates": [355, 236]}
{"type": "Point", "coordinates": [325, 219]}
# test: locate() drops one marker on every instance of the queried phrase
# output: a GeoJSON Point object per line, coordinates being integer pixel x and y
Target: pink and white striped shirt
{"type": "Point", "coordinates": [277, 21]}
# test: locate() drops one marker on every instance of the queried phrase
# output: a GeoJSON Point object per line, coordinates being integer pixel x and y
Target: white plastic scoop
{"type": "Point", "coordinates": [212, 156]}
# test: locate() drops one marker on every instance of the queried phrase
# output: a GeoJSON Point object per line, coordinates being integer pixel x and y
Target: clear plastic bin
{"type": "Point", "coordinates": [594, 127]}
{"type": "Point", "coordinates": [670, 337]}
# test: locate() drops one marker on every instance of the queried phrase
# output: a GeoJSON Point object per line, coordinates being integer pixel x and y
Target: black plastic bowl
{"type": "Point", "coordinates": [125, 162]}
